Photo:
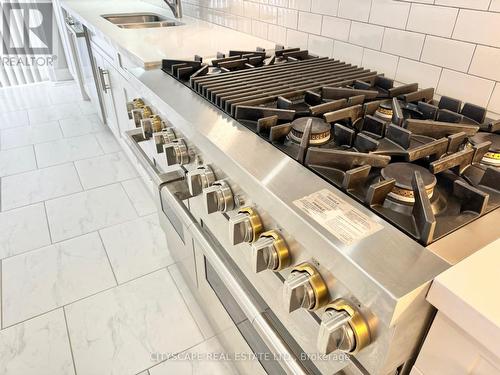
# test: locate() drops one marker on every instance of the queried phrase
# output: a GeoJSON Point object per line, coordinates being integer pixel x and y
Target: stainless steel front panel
{"type": "Point", "coordinates": [210, 273]}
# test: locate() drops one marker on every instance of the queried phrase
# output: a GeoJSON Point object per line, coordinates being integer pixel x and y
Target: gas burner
{"type": "Point", "coordinates": [320, 130]}
{"type": "Point", "coordinates": [403, 174]}
{"type": "Point", "coordinates": [384, 111]}
{"type": "Point", "coordinates": [492, 157]}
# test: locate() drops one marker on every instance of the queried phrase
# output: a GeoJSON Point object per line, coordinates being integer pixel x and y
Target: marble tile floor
{"type": "Point", "coordinates": [88, 286]}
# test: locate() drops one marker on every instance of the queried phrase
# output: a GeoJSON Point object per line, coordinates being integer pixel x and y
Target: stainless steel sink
{"type": "Point", "coordinates": [140, 20]}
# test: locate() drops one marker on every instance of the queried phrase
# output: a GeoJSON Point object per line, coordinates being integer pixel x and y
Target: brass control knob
{"type": "Point", "coordinates": [270, 252]}
{"type": "Point", "coordinates": [176, 152]}
{"type": "Point", "coordinates": [163, 137]}
{"type": "Point", "coordinates": [219, 197]}
{"type": "Point", "coordinates": [199, 179]}
{"type": "Point", "coordinates": [343, 328]}
{"type": "Point", "coordinates": [305, 288]}
{"type": "Point", "coordinates": [245, 226]}
{"type": "Point", "coordinates": [136, 103]}
{"type": "Point", "coordinates": [150, 125]}
{"type": "Point", "coordinates": [140, 113]}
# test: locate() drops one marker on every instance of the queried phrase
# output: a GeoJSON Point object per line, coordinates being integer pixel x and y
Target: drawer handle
{"type": "Point", "coordinates": [105, 86]}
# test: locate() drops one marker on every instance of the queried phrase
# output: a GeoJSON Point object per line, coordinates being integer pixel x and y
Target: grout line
{"type": "Point", "coordinates": [491, 95]}
{"type": "Point", "coordinates": [422, 50]}
{"type": "Point", "coordinates": [439, 80]}
{"type": "Point", "coordinates": [36, 159]}
{"type": "Point", "coordinates": [369, 11]}
{"type": "Point", "coordinates": [455, 24]}
{"type": "Point", "coordinates": [382, 41]}
{"type": "Point", "coordinates": [79, 235]}
{"type": "Point", "coordinates": [130, 198]}
{"type": "Point", "coordinates": [408, 16]}
{"type": "Point", "coordinates": [99, 144]}
{"type": "Point", "coordinates": [69, 194]}
{"type": "Point", "coordinates": [83, 298]}
{"type": "Point", "coordinates": [78, 175]}
{"type": "Point", "coordinates": [107, 256]}
{"type": "Point", "coordinates": [397, 68]}
{"type": "Point", "coordinates": [471, 59]}
{"type": "Point", "coordinates": [69, 340]}
{"type": "Point", "coordinates": [48, 229]}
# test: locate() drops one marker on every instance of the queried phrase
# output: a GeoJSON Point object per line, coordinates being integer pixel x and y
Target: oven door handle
{"type": "Point", "coordinates": [288, 360]}
{"type": "Point", "coordinates": [132, 138]}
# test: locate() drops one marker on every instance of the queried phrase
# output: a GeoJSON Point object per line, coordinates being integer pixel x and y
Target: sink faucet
{"type": "Point", "coordinates": [175, 6]}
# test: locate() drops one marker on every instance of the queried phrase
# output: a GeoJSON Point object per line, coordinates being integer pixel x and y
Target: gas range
{"type": "Point", "coordinates": [427, 167]}
{"type": "Point", "coordinates": [299, 196]}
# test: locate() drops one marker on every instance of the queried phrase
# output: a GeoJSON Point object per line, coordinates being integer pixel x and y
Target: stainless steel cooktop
{"type": "Point", "coordinates": [426, 167]}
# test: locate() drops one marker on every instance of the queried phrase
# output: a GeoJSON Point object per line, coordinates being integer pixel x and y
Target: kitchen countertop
{"type": "Point", "coordinates": [147, 47]}
{"type": "Point", "coordinates": [468, 295]}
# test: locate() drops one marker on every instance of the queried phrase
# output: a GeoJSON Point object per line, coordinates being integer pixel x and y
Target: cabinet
{"type": "Point", "coordinates": [449, 350]}
{"type": "Point", "coordinates": [123, 93]}
{"type": "Point", "coordinates": [116, 93]}
{"type": "Point", "coordinates": [104, 68]}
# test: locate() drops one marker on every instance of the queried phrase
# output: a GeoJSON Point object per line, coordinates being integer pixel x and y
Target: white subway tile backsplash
{"type": "Point", "coordinates": [310, 22]}
{"type": "Point", "coordinates": [358, 10]}
{"type": "Point", "coordinates": [336, 28]}
{"type": "Point", "coordinates": [389, 13]}
{"type": "Point", "coordinates": [237, 8]}
{"type": "Point", "coordinates": [381, 62]}
{"type": "Point", "coordinates": [486, 63]}
{"type": "Point", "coordinates": [347, 52]}
{"type": "Point", "coordinates": [452, 44]}
{"type": "Point", "coordinates": [478, 27]}
{"type": "Point", "coordinates": [277, 34]}
{"type": "Point", "coordinates": [326, 7]}
{"type": "Point", "coordinates": [320, 46]}
{"type": "Point", "coordinates": [403, 43]}
{"type": "Point", "coordinates": [259, 29]}
{"type": "Point", "coordinates": [268, 14]}
{"type": "Point", "coordinates": [447, 53]}
{"type": "Point", "coordinates": [431, 19]}
{"type": "Point", "coordinates": [244, 25]}
{"type": "Point", "coordinates": [296, 38]}
{"type": "Point", "coordinates": [473, 4]}
{"type": "Point", "coordinates": [414, 71]}
{"type": "Point", "coordinates": [251, 9]}
{"type": "Point", "coordinates": [304, 5]}
{"type": "Point", "coordinates": [466, 87]}
{"type": "Point", "coordinates": [366, 35]}
{"type": "Point", "coordinates": [288, 18]}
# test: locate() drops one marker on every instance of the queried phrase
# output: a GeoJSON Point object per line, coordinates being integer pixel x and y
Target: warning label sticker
{"type": "Point", "coordinates": [339, 217]}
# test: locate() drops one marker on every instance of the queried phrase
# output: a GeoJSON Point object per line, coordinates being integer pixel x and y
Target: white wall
{"type": "Point", "coordinates": [452, 45]}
